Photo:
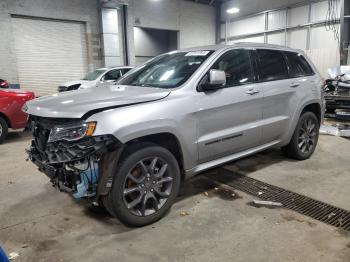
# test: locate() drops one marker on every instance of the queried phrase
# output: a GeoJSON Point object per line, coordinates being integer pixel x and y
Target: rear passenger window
{"type": "Point", "coordinates": [272, 65]}
{"type": "Point", "coordinates": [237, 66]}
{"type": "Point", "coordinates": [298, 66]}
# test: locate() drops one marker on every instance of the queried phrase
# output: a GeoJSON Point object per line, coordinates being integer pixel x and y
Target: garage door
{"type": "Point", "coordinates": [48, 53]}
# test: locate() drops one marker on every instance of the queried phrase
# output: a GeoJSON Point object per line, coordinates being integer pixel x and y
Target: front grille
{"type": "Point", "coordinates": [62, 88]}
{"type": "Point", "coordinates": [321, 211]}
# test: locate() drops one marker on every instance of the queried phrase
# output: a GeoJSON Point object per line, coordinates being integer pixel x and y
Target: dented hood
{"type": "Point", "coordinates": [75, 104]}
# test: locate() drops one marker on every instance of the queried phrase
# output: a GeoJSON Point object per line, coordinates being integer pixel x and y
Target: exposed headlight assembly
{"type": "Point", "coordinates": [72, 132]}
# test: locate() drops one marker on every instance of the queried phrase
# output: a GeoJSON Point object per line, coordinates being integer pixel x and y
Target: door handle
{"type": "Point", "coordinates": [294, 84]}
{"type": "Point", "coordinates": [252, 91]}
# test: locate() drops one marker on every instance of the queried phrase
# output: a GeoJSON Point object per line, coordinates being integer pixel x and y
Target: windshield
{"type": "Point", "coordinates": [166, 71]}
{"type": "Point", "coordinates": [94, 75]}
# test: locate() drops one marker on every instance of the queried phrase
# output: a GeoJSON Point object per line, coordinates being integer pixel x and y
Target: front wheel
{"type": "Point", "coordinates": [3, 129]}
{"type": "Point", "coordinates": [145, 185]}
{"type": "Point", "coordinates": [305, 137]}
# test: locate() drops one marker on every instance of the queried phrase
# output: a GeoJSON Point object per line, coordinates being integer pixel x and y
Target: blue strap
{"type": "Point", "coordinates": [3, 257]}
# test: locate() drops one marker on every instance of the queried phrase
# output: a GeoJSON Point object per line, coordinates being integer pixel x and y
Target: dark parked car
{"type": "Point", "coordinates": [4, 83]}
{"type": "Point", "coordinates": [11, 115]}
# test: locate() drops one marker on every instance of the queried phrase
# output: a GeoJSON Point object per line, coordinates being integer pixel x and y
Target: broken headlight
{"type": "Point", "coordinates": [72, 132]}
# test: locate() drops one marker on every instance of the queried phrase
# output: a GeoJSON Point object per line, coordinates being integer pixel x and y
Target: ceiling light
{"type": "Point", "coordinates": [233, 10]}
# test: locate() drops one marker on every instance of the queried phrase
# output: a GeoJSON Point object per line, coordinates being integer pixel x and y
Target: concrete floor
{"type": "Point", "coordinates": [42, 224]}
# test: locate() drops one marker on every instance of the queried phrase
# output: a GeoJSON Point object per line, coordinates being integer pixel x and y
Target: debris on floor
{"type": "Point", "coordinates": [267, 203]}
{"type": "Point", "coordinates": [206, 193]}
{"type": "Point", "coordinates": [336, 130]}
{"type": "Point", "coordinates": [184, 213]}
{"type": "Point", "coordinates": [13, 255]}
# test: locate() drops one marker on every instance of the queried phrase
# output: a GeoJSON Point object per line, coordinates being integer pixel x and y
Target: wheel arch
{"type": "Point", "coordinates": [163, 139]}
{"type": "Point", "coordinates": [314, 108]}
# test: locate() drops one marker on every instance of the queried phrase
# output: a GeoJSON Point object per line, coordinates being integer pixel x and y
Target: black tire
{"type": "Point", "coordinates": [301, 141]}
{"type": "Point", "coordinates": [3, 129]}
{"type": "Point", "coordinates": [135, 161]}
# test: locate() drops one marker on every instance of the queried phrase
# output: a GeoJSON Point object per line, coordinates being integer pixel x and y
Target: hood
{"type": "Point", "coordinates": [75, 104]}
{"type": "Point", "coordinates": [84, 83]}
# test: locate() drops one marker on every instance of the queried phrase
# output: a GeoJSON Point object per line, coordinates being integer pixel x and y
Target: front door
{"type": "Point", "coordinates": [229, 118]}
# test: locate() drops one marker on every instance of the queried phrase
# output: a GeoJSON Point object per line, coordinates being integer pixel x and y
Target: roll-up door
{"type": "Point", "coordinates": [48, 53]}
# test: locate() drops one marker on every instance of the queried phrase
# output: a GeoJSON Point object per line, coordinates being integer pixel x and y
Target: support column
{"type": "Point", "coordinates": [344, 32]}
{"type": "Point", "coordinates": [111, 37]}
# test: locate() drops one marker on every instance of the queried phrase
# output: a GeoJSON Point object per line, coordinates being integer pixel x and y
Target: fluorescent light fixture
{"type": "Point", "coordinates": [233, 10]}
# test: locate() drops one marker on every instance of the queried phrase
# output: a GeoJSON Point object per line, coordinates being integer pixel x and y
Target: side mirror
{"type": "Point", "coordinates": [217, 80]}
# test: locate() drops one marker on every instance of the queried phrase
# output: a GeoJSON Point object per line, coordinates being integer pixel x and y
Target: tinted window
{"type": "Point", "coordinates": [272, 65]}
{"type": "Point", "coordinates": [112, 75]}
{"type": "Point", "coordinates": [125, 70]}
{"type": "Point", "coordinates": [237, 66]}
{"type": "Point", "coordinates": [298, 66]}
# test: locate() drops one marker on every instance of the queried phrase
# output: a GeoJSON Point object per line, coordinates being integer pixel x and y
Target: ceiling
{"type": "Point", "coordinates": [208, 2]}
{"type": "Point", "coordinates": [248, 7]}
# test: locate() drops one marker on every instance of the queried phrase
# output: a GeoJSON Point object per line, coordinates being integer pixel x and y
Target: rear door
{"type": "Point", "coordinates": [280, 93]}
{"type": "Point", "coordinates": [229, 118]}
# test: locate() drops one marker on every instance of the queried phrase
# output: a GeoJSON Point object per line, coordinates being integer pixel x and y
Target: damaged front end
{"type": "Point", "coordinates": [74, 160]}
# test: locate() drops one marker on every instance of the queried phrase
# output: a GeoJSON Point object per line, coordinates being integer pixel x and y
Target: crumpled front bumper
{"type": "Point", "coordinates": [54, 156]}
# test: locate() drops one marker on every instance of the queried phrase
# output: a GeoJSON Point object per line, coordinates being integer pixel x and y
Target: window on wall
{"type": "Point", "coordinates": [298, 66]}
{"type": "Point", "coordinates": [271, 65]}
{"type": "Point", "coordinates": [237, 67]}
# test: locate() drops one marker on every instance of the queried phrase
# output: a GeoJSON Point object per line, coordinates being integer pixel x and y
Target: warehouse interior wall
{"type": "Point", "coordinates": [152, 42]}
{"type": "Point", "coordinates": [195, 22]}
{"type": "Point", "coordinates": [84, 11]}
{"type": "Point", "coordinates": [288, 27]}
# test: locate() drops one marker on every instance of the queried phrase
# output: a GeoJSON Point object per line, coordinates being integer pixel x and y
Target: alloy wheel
{"type": "Point", "coordinates": [307, 136]}
{"type": "Point", "coordinates": [147, 186]}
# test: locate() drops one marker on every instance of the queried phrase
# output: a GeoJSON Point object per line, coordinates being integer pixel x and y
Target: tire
{"type": "Point", "coordinates": [136, 181]}
{"type": "Point", "coordinates": [3, 129]}
{"type": "Point", "coordinates": [304, 139]}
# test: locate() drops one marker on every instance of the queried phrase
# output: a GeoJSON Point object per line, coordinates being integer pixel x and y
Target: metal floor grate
{"type": "Point", "coordinates": [321, 211]}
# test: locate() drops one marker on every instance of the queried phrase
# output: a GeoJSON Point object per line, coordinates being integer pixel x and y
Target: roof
{"type": "Point", "coordinates": [240, 44]}
{"type": "Point", "coordinates": [115, 67]}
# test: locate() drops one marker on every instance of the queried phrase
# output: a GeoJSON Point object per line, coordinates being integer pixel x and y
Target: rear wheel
{"type": "Point", "coordinates": [145, 185]}
{"type": "Point", "coordinates": [305, 137]}
{"type": "Point", "coordinates": [3, 129]}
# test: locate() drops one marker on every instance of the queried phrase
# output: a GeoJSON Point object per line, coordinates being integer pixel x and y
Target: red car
{"type": "Point", "coordinates": [11, 115]}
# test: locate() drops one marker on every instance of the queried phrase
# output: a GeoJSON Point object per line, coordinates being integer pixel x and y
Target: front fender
{"type": "Point", "coordinates": [129, 123]}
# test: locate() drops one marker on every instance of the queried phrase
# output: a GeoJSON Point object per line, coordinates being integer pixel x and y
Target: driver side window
{"type": "Point", "coordinates": [237, 66]}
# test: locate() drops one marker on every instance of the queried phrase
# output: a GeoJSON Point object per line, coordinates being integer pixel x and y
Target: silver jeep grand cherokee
{"type": "Point", "coordinates": [128, 146]}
